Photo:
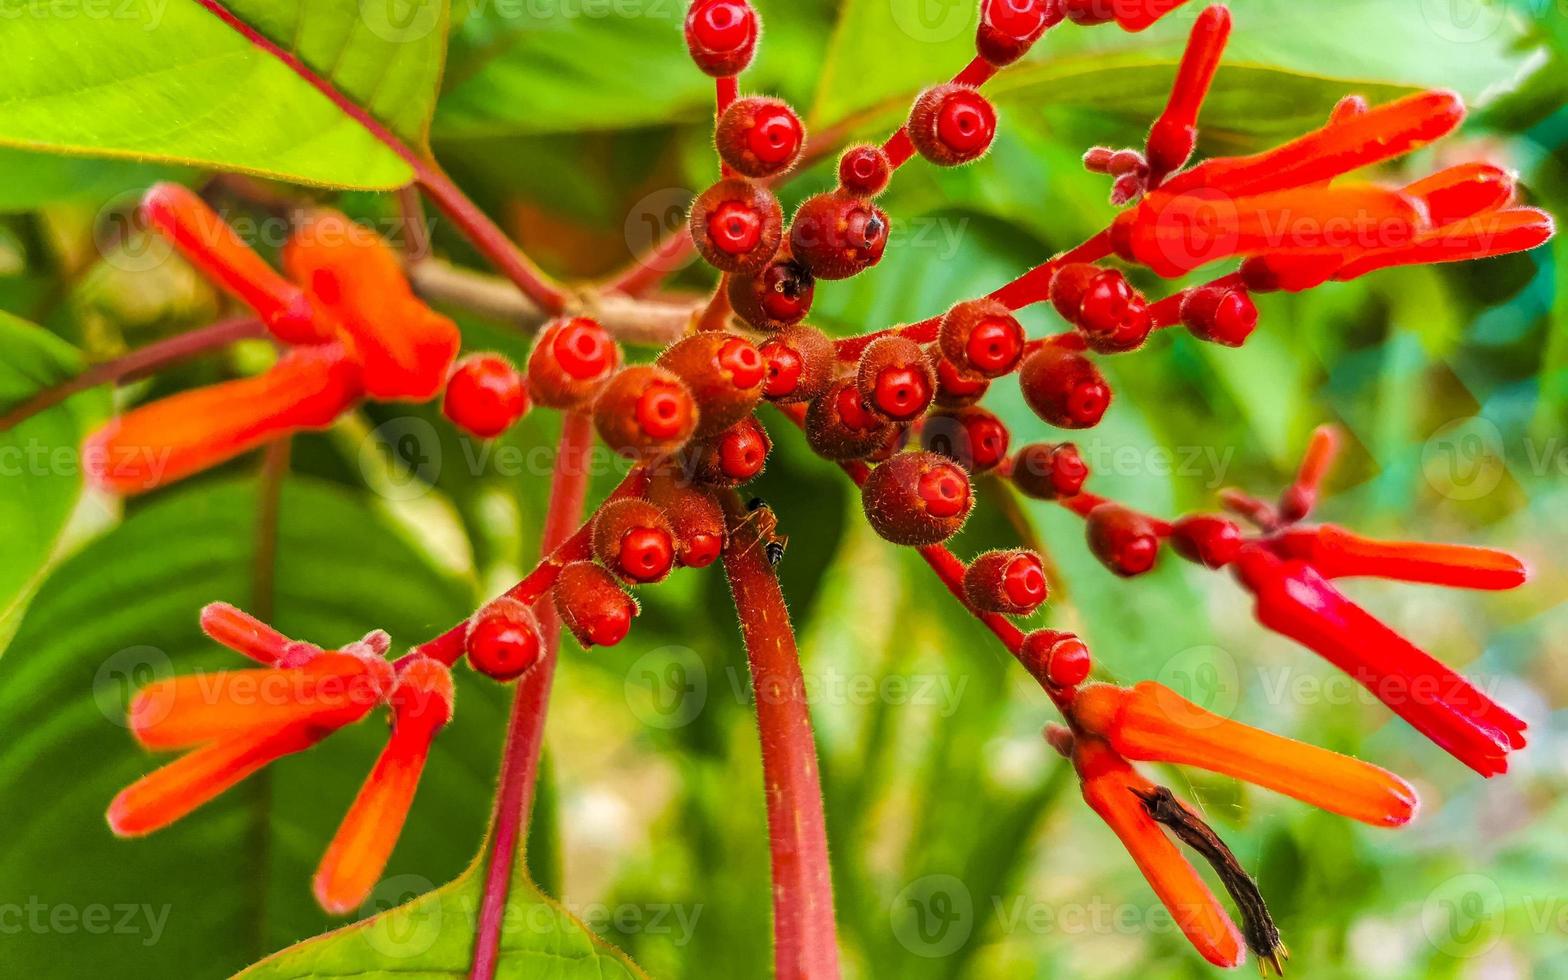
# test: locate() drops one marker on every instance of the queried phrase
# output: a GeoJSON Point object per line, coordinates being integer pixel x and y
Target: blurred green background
{"type": "Point", "coordinates": [960, 849]}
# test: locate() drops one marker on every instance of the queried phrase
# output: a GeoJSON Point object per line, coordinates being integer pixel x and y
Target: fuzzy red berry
{"type": "Point", "coordinates": [952, 124]}
{"type": "Point", "coordinates": [971, 437]}
{"type": "Point", "coordinates": [760, 137]}
{"type": "Point", "coordinates": [838, 236]}
{"type": "Point", "coordinates": [800, 365]}
{"type": "Point", "coordinates": [1207, 539]}
{"type": "Point", "coordinates": [1008, 582]}
{"type": "Point", "coordinates": [737, 226]}
{"type": "Point", "coordinates": [572, 359]}
{"type": "Point", "coordinates": [1064, 388]}
{"type": "Point", "coordinates": [485, 395]}
{"type": "Point", "coordinates": [723, 371]}
{"type": "Point", "coordinates": [695, 517]}
{"type": "Point", "coordinates": [955, 387]}
{"type": "Point", "coordinates": [1069, 285]}
{"type": "Point", "coordinates": [917, 499]}
{"type": "Point", "coordinates": [645, 412]}
{"type": "Point", "coordinates": [735, 456]}
{"type": "Point", "coordinates": [1049, 472]}
{"type": "Point", "coordinates": [895, 379]}
{"type": "Point", "coordinates": [1111, 315]}
{"type": "Point", "coordinates": [593, 605]}
{"type": "Point", "coordinates": [895, 442]}
{"type": "Point", "coordinates": [1008, 28]}
{"type": "Point", "coordinates": [1059, 660]}
{"type": "Point", "coordinates": [722, 35]}
{"type": "Point", "coordinates": [777, 297]}
{"type": "Point", "coordinates": [504, 640]}
{"type": "Point", "coordinates": [1219, 315]}
{"type": "Point", "coordinates": [983, 337]}
{"type": "Point", "coordinates": [634, 540]}
{"type": "Point", "coordinates": [864, 170]}
{"type": "Point", "coordinates": [840, 426]}
{"type": "Point", "coordinates": [1125, 541]}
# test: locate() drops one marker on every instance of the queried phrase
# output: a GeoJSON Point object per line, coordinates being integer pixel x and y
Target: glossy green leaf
{"type": "Point", "coordinates": [40, 470]}
{"type": "Point", "coordinates": [169, 80]}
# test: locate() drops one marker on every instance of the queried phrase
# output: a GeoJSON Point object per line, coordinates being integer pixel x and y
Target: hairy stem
{"type": "Point", "coordinates": [805, 936]}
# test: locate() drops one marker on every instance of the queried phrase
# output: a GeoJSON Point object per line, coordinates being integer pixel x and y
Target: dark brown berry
{"type": "Point", "coordinates": [952, 124]}
{"type": "Point", "coordinates": [917, 499]}
{"type": "Point", "coordinates": [838, 236]}
{"type": "Point", "coordinates": [982, 337]}
{"type": "Point", "coordinates": [634, 540]}
{"type": "Point", "coordinates": [1124, 540]}
{"type": "Point", "coordinates": [737, 226]}
{"type": "Point", "coordinates": [1064, 388]}
{"type": "Point", "coordinates": [839, 426]}
{"type": "Point", "coordinates": [800, 365]}
{"type": "Point", "coordinates": [971, 437]}
{"type": "Point", "coordinates": [1047, 471]}
{"type": "Point", "coordinates": [593, 605]}
{"type": "Point", "coordinates": [895, 379]}
{"type": "Point", "coordinates": [760, 137]}
{"type": "Point", "coordinates": [1008, 582]}
{"type": "Point", "coordinates": [645, 412]}
{"type": "Point", "coordinates": [723, 371]}
{"type": "Point", "coordinates": [777, 297]}
{"type": "Point", "coordinates": [572, 359]}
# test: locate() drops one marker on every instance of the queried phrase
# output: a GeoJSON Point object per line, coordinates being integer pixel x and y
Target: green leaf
{"type": "Point", "coordinates": [40, 467]}
{"type": "Point", "coordinates": [34, 179]}
{"type": "Point", "coordinates": [170, 80]}
{"type": "Point", "coordinates": [231, 882]}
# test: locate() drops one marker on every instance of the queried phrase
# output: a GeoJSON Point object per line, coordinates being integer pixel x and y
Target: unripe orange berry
{"type": "Point", "coordinates": [634, 540]}
{"type": "Point", "coordinates": [724, 373]}
{"type": "Point", "coordinates": [572, 360]}
{"type": "Point", "coordinates": [800, 365]}
{"type": "Point", "coordinates": [645, 412]}
{"type": "Point", "coordinates": [593, 605]}
{"type": "Point", "coordinates": [737, 226]}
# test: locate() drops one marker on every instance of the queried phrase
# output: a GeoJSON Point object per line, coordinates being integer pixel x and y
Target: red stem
{"type": "Point", "coordinates": [805, 936]}
{"type": "Point", "coordinates": [525, 732]}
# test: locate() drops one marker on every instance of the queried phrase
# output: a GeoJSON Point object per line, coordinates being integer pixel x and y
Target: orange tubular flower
{"type": "Point", "coordinates": [405, 347]}
{"type": "Point", "coordinates": [421, 706]}
{"type": "Point", "coordinates": [1152, 723]}
{"type": "Point", "coordinates": [1175, 134]}
{"type": "Point", "coordinates": [170, 439]}
{"type": "Point", "coordinates": [1115, 791]}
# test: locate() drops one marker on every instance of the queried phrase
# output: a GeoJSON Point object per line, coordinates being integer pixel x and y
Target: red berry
{"type": "Point", "coordinates": [1009, 27]}
{"type": "Point", "coordinates": [695, 517]}
{"type": "Point", "coordinates": [838, 236]}
{"type": "Point", "coordinates": [633, 539]}
{"type": "Point", "coordinates": [645, 411]}
{"type": "Point", "coordinates": [800, 365]}
{"type": "Point", "coordinates": [1064, 388]}
{"type": "Point", "coordinates": [839, 426]}
{"type": "Point", "coordinates": [982, 336]}
{"type": "Point", "coordinates": [864, 170]}
{"type": "Point", "coordinates": [1124, 540]}
{"type": "Point", "coordinates": [1207, 539]}
{"type": "Point", "coordinates": [1219, 315]}
{"type": "Point", "coordinates": [485, 395]}
{"type": "Point", "coordinates": [760, 137]}
{"type": "Point", "coordinates": [572, 359]}
{"type": "Point", "coordinates": [1104, 302]}
{"type": "Point", "coordinates": [722, 35]}
{"type": "Point", "coordinates": [504, 640]}
{"type": "Point", "coordinates": [1008, 582]}
{"type": "Point", "coordinates": [1069, 286]}
{"type": "Point", "coordinates": [737, 226]}
{"type": "Point", "coordinates": [955, 387]}
{"type": "Point", "coordinates": [723, 371]}
{"type": "Point", "coordinates": [1127, 334]}
{"type": "Point", "coordinates": [895, 379]}
{"type": "Point", "coordinates": [593, 605]}
{"type": "Point", "coordinates": [952, 124]}
{"type": "Point", "coordinates": [777, 297]}
{"type": "Point", "coordinates": [1049, 472]}
{"type": "Point", "coordinates": [1059, 660]}
{"type": "Point", "coordinates": [917, 499]}
{"type": "Point", "coordinates": [733, 457]}
{"type": "Point", "coordinates": [971, 437]}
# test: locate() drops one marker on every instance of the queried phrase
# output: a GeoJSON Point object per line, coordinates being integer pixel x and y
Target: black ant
{"type": "Point", "coordinates": [766, 523]}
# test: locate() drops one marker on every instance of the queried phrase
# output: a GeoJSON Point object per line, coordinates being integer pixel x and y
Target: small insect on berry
{"type": "Point", "coordinates": [504, 640]}
{"type": "Point", "coordinates": [1047, 471]}
{"type": "Point", "coordinates": [695, 517]}
{"type": "Point", "coordinates": [1207, 539]}
{"type": "Point", "coordinates": [972, 437]}
{"type": "Point", "coordinates": [917, 499]}
{"type": "Point", "coordinates": [1125, 541]}
{"type": "Point", "coordinates": [634, 540]}
{"type": "Point", "coordinates": [1064, 388]}
{"type": "Point", "coordinates": [1008, 28]}
{"type": "Point", "coordinates": [760, 137]}
{"type": "Point", "coordinates": [864, 170]}
{"type": "Point", "coordinates": [839, 426]}
{"type": "Point", "coordinates": [723, 371]}
{"type": "Point", "coordinates": [800, 365]}
{"type": "Point", "coordinates": [1008, 582]}
{"type": "Point", "coordinates": [1059, 660]}
{"type": "Point", "coordinates": [956, 387]}
{"type": "Point", "coordinates": [982, 337]}
{"type": "Point", "coordinates": [895, 379]}
{"type": "Point", "coordinates": [737, 226]}
{"type": "Point", "coordinates": [764, 524]}
{"type": "Point", "coordinates": [645, 412]}
{"type": "Point", "coordinates": [735, 456]}
{"type": "Point", "coordinates": [572, 359]}
{"type": "Point", "coordinates": [838, 236]}
{"type": "Point", "coordinates": [1219, 315]}
{"type": "Point", "coordinates": [722, 36]}
{"type": "Point", "coordinates": [593, 605]}
{"type": "Point", "coordinates": [952, 124]}
{"type": "Point", "coordinates": [485, 395]}
{"type": "Point", "coordinates": [777, 297]}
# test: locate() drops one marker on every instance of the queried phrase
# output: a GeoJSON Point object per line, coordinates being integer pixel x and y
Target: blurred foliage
{"type": "Point", "coordinates": [959, 850]}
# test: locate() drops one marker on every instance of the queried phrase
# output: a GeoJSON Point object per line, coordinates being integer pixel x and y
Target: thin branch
{"type": "Point", "coordinates": [416, 233]}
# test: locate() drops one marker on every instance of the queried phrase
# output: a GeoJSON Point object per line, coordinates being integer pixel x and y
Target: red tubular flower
{"type": "Point", "coordinates": [1295, 600]}
{"type": "Point", "coordinates": [1175, 134]}
{"type": "Point", "coordinates": [212, 246]}
{"type": "Point", "coordinates": [1483, 236]}
{"type": "Point", "coordinates": [421, 706]}
{"type": "Point", "coordinates": [404, 347]}
{"type": "Point", "coordinates": [1463, 191]}
{"type": "Point", "coordinates": [1337, 553]}
{"type": "Point", "coordinates": [1302, 495]}
{"type": "Point", "coordinates": [1153, 723]}
{"type": "Point", "coordinates": [1137, 15]}
{"type": "Point", "coordinates": [167, 440]}
{"type": "Point", "coordinates": [1111, 787]}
